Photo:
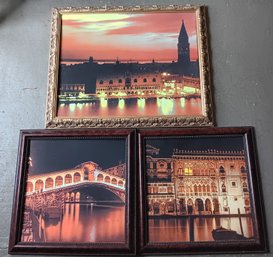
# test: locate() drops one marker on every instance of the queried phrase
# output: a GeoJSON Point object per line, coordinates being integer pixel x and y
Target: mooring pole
{"type": "Point", "coordinates": [240, 221]}
{"type": "Point", "coordinates": [191, 220]}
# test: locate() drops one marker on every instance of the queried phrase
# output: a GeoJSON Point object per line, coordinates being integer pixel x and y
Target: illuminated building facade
{"type": "Point", "coordinates": [197, 183]}
{"type": "Point", "coordinates": [132, 86]}
{"type": "Point", "coordinates": [72, 89]}
{"type": "Point", "coordinates": [147, 86]}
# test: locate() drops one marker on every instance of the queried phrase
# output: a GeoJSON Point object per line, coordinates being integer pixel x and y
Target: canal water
{"type": "Point", "coordinates": [84, 223]}
{"type": "Point", "coordinates": [177, 229]}
{"type": "Point", "coordinates": [132, 107]}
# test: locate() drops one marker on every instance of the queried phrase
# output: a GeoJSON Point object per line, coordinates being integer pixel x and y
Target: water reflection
{"type": "Point", "coordinates": [132, 107]}
{"type": "Point", "coordinates": [178, 229]}
{"type": "Point", "coordinates": [85, 223]}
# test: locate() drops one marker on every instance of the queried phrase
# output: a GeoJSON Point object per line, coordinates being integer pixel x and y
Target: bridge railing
{"type": "Point", "coordinates": [73, 184]}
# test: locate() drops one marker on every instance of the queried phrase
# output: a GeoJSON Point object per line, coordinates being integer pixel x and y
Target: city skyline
{"type": "Point", "coordinates": [142, 37]}
{"type": "Point", "coordinates": [54, 155]}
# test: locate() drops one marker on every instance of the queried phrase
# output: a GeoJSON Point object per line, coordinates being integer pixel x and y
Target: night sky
{"type": "Point", "coordinates": [221, 143]}
{"type": "Point", "coordinates": [52, 155]}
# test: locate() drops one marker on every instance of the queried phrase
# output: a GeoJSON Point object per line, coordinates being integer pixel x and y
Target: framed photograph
{"type": "Point", "coordinates": [199, 192]}
{"type": "Point", "coordinates": [129, 67]}
{"type": "Point", "coordinates": [74, 193]}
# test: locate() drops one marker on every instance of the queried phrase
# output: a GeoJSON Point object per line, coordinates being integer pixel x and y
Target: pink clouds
{"type": "Point", "coordinates": [138, 37]}
{"type": "Point", "coordinates": [159, 23]}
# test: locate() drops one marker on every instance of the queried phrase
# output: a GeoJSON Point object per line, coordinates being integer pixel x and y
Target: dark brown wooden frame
{"type": "Point", "coordinates": [259, 244]}
{"type": "Point", "coordinates": [17, 247]}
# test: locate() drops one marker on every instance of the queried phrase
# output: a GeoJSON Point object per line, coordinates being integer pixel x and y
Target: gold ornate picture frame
{"type": "Point", "coordinates": [131, 67]}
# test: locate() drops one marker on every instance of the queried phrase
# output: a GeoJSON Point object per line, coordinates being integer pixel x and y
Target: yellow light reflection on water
{"type": "Point", "coordinates": [166, 106]}
{"type": "Point", "coordinates": [103, 102]}
{"type": "Point", "coordinates": [79, 105]}
{"type": "Point", "coordinates": [158, 102]}
{"type": "Point", "coordinates": [182, 102]}
{"type": "Point", "coordinates": [141, 103]}
{"type": "Point", "coordinates": [121, 103]}
{"type": "Point", "coordinates": [72, 107]}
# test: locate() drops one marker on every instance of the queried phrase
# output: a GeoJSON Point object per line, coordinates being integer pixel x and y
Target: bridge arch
{"type": "Point", "coordinates": [99, 192]}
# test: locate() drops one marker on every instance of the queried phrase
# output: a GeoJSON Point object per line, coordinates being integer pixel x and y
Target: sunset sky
{"type": "Point", "coordinates": [125, 36]}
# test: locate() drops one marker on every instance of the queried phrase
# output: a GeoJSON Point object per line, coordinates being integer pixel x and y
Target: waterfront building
{"type": "Point", "coordinates": [135, 85]}
{"type": "Point", "coordinates": [147, 86]}
{"type": "Point", "coordinates": [72, 89]}
{"type": "Point", "coordinates": [197, 182]}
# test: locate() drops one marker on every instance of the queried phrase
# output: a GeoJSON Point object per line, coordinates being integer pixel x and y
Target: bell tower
{"type": "Point", "coordinates": [183, 47]}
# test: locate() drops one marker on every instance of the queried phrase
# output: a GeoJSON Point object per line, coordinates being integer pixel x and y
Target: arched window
{"type": "Point", "coordinates": [221, 169]}
{"type": "Point", "coordinates": [77, 177]}
{"type": "Point", "coordinates": [68, 179]}
{"type": "Point", "coordinates": [114, 181]}
{"type": "Point", "coordinates": [49, 183]}
{"type": "Point", "coordinates": [120, 81]}
{"type": "Point", "coordinates": [29, 187]}
{"type": "Point", "coordinates": [243, 170]}
{"type": "Point", "coordinates": [120, 183]}
{"type": "Point", "coordinates": [144, 80]}
{"type": "Point", "coordinates": [245, 189]}
{"type": "Point", "coordinates": [107, 179]}
{"type": "Point", "coordinates": [213, 187]}
{"type": "Point", "coordinates": [58, 181]}
{"type": "Point", "coordinates": [39, 185]}
{"type": "Point", "coordinates": [223, 188]}
{"type": "Point", "coordinates": [100, 177]}
{"type": "Point", "coordinates": [101, 82]}
{"type": "Point", "coordinates": [110, 81]}
{"type": "Point", "coordinates": [195, 189]}
{"type": "Point", "coordinates": [154, 79]}
{"type": "Point", "coordinates": [86, 173]}
{"type": "Point", "coordinates": [135, 80]}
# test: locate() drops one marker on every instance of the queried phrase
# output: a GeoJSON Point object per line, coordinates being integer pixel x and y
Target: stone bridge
{"type": "Point", "coordinates": [85, 183]}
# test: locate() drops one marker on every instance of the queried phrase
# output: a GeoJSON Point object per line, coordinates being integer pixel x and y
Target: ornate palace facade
{"type": "Point", "coordinates": [197, 182]}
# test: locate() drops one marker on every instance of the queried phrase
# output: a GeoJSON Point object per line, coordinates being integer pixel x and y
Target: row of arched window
{"type": "Point", "coordinates": [107, 179]}
{"type": "Point", "coordinates": [203, 172]}
{"type": "Point", "coordinates": [59, 181]}
{"type": "Point", "coordinates": [144, 80]}
{"type": "Point", "coordinates": [71, 87]}
{"type": "Point", "coordinates": [198, 189]}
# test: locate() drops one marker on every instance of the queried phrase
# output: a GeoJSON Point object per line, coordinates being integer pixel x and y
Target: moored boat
{"type": "Point", "coordinates": [226, 234]}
